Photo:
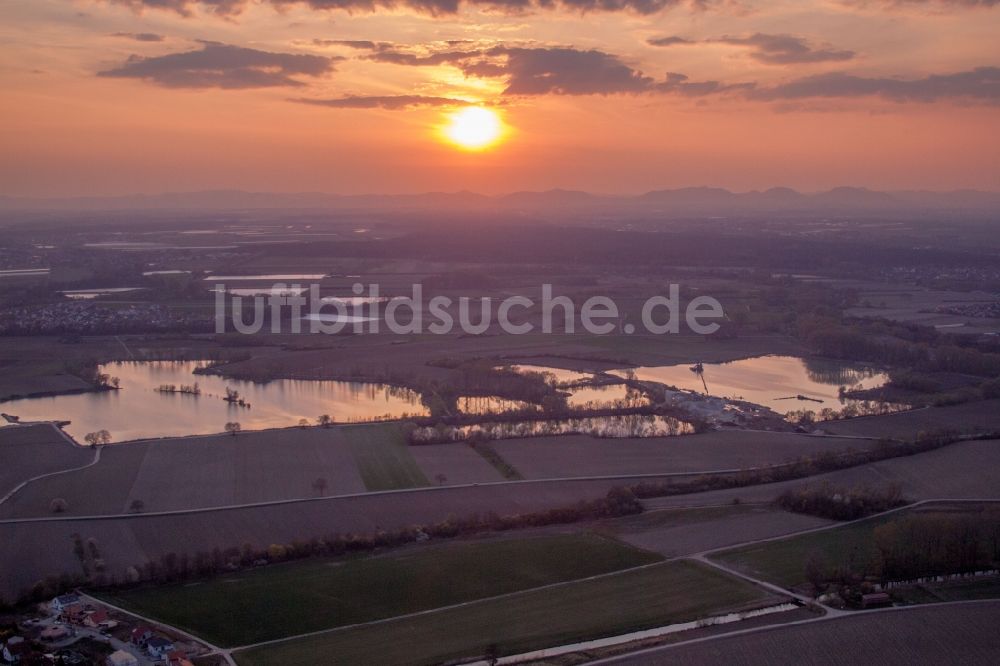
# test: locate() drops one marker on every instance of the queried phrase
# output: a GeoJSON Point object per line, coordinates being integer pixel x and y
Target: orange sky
{"type": "Point", "coordinates": [105, 97]}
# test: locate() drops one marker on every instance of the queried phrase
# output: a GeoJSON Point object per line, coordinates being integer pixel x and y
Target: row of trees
{"type": "Point", "coordinates": [325, 420]}
{"type": "Point", "coordinates": [914, 547]}
{"type": "Point", "coordinates": [828, 501]}
{"type": "Point", "coordinates": [896, 344]}
{"type": "Point", "coordinates": [173, 567]}
{"type": "Point", "coordinates": [805, 466]}
{"type": "Point", "coordinates": [931, 545]}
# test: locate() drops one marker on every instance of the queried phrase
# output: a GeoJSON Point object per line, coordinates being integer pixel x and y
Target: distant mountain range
{"type": "Point", "coordinates": [689, 201]}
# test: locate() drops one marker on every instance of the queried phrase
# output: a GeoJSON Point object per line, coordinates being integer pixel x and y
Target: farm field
{"type": "Point", "coordinates": [783, 561]}
{"type": "Point", "coordinates": [654, 596]}
{"type": "Point", "coordinates": [679, 532]}
{"type": "Point", "coordinates": [197, 472]}
{"type": "Point", "coordinates": [18, 379]}
{"type": "Point", "coordinates": [965, 470]}
{"type": "Point", "coordinates": [968, 417]}
{"type": "Point", "coordinates": [580, 455]}
{"type": "Point", "coordinates": [299, 597]}
{"type": "Point", "coordinates": [383, 458]}
{"type": "Point", "coordinates": [34, 550]}
{"type": "Point", "coordinates": [453, 464]}
{"type": "Point", "coordinates": [29, 451]}
{"type": "Point", "coordinates": [954, 634]}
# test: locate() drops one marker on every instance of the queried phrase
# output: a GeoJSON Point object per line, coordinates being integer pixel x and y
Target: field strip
{"type": "Point", "coordinates": [770, 587]}
{"type": "Point", "coordinates": [296, 500]}
{"type": "Point", "coordinates": [20, 486]}
{"type": "Point", "coordinates": [300, 500]}
{"type": "Point", "coordinates": [623, 639]}
{"type": "Point", "coordinates": [463, 604]}
{"type": "Point", "coordinates": [822, 528]}
{"type": "Point", "coordinates": [648, 652]}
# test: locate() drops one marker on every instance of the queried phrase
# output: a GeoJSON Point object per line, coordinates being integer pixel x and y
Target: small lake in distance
{"type": "Point", "coordinates": [139, 410]}
{"type": "Point", "coordinates": [771, 381]}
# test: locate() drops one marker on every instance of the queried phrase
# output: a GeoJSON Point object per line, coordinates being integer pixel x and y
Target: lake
{"type": "Point", "coordinates": [140, 410]}
{"type": "Point", "coordinates": [772, 381]}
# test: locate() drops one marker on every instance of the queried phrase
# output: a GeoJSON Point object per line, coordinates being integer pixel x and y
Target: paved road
{"type": "Point", "coordinates": [961, 632]}
{"type": "Point", "coordinates": [213, 649]}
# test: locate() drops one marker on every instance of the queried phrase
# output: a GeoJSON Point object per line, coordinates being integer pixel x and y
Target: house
{"type": "Point", "coordinates": [59, 604]}
{"type": "Point", "coordinates": [875, 599]}
{"type": "Point", "coordinates": [96, 619]}
{"type": "Point", "coordinates": [140, 635]}
{"type": "Point", "coordinates": [74, 613]}
{"type": "Point", "coordinates": [159, 647]}
{"type": "Point", "coordinates": [121, 658]}
{"type": "Point", "coordinates": [14, 649]}
{"type": "Point", "coordinates": [178, 658]}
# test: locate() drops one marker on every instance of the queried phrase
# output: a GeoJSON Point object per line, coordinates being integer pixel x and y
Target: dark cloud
{"type": "Point", "coordinates": [432, 7]}
{"type": "Point", "coordinates": [391, 102]}
{"type": "Point", "coordinates": [360, 44]}
{"type": "Point", "coordinates": [668, 41]}
{"type": "Point", "coordinates": [769, 49]}
{"type": "Point", "coordinates": [785, 49]}
{"type": "Point", "coordinates": [186, 7]}
{"type": "Point", "coordinates": [218, 65]}
{"type": "Point", "coordinates": [424, 60]}
{"type": "Point", "coordinates": [681, 84]}
{"type": "Point", "coordinates": [566, 71]}
{"type": "Point", "coordinates": [140, 36]}
{"type": "Point", "coordinates": [534, 71]}
{"type": "Point", "coordinates": [981, 84]}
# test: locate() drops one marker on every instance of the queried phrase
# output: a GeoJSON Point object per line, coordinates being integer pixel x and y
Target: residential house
{"type": "Point", "coordinates": [178, 658]}
{"type": "Point", "coordinates": [140, 635]}
{"type": "Point", "coordinates": [159, 647]}
{"type": "Point", "coordinates": [14, 649]}
{"type": "Point", "coordinates": [121, 658]}
{"type": "Point", "coordinates": [59, 604]}
{"type": "Point", "coordinates": [96, 619]}
{"type": "Point", "coordinates": [74, 613]}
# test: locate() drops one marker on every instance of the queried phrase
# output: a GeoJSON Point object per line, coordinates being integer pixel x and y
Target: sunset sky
{"type": "Point", "coordinates": [108, 97]}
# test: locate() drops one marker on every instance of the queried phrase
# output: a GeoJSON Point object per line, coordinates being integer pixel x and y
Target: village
{"type": "Point", "coordinates": [75, 628]}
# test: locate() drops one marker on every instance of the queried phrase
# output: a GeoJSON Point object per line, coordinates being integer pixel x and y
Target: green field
{"type": "Point", "coordinates": [383, 458]}
{"type": "Point", "coordinates": [783, 561]}
{"type": "Point", "coordinates": [284, 600]}
{"type": "Point", "coordinates": [654, 596]}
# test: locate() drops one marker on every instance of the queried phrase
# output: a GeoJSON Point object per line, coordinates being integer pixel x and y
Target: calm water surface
{"type": "Point", "coordinates": [139, 410]}
{"type": "Point", "coordinates": [772, 381]}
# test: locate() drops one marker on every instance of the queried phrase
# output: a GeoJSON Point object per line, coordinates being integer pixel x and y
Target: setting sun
{"type": "Point", "coordinates": [474, 128]}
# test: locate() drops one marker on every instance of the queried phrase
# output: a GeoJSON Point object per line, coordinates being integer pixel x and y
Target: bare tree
{"type": "Point", "coordinates": [319, 485]}
{"type": "Point", "coordinates": [816, 572]}
{"type": "Point", "coordinates": [303, 423]}
{"type": "Point", "coordinates": [233, 428]}
{"type": "Point", "coordinates": [325, 420]}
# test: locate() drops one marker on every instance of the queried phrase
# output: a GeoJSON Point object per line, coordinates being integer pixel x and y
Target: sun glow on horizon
{"type": "Point", "coordinates": [474, 128]}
